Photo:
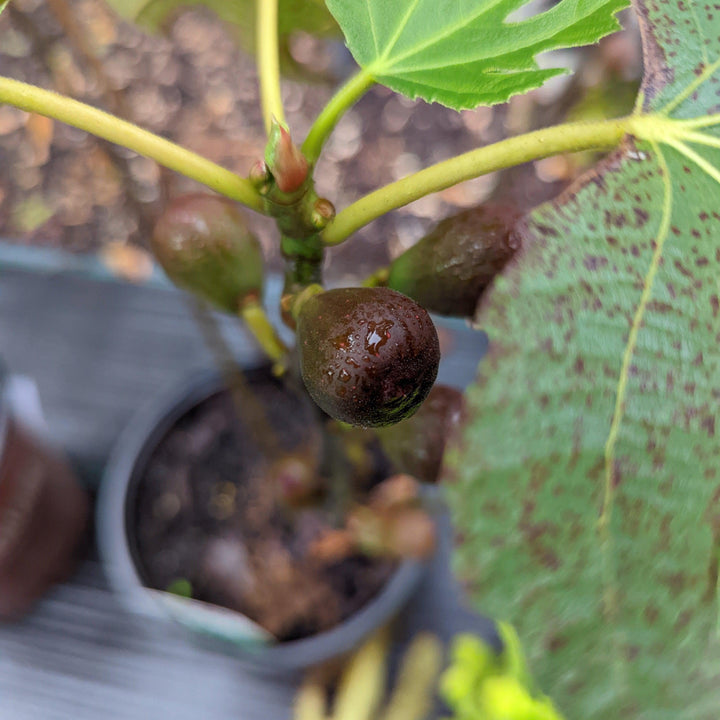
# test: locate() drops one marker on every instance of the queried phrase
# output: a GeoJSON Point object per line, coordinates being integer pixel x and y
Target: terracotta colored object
{"type": "Point", "coordinates": [43, 512]}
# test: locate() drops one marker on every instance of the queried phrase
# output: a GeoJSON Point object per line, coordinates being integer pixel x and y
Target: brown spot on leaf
{"type": "Point", "coordinates": [683, 620]}
{"type": "Point", "coordinates": [546, 230]}
{"type": "Point", "coordinates": [708, 424]}
{"type": "Point", "coordinates": [676, 583]}
{"type": "Point", "coordinates": [555, 643]}
{"type": "Point", "coordinates": [682, 269]}
{"type": "Point", "coordinates": [642, 216]}
{"type": "Point", "coordinates": [593, 262]}
{"type": "Point", "coordinates": [660, 307]}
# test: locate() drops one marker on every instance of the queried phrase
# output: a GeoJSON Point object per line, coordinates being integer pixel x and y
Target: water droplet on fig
{"type": "Point", "coordinates": [377, 335]}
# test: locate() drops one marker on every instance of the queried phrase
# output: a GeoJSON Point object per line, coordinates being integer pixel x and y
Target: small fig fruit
{"type": "Point", "coordinates": [368, 356]}
{"type": "Point", "coordinates": [416, 445]}
{"type": "Point", "coordinates": [447, 270]}
{"type": "Point", "coordinates": [204, 245]}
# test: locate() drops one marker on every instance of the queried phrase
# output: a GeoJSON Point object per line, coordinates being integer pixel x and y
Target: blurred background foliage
{"type": "Point", "coordinates": [185, 70]}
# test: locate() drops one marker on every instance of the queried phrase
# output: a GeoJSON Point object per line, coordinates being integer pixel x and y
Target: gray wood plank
{"type": "Point", "coordinates": [80, 656]}
{"type": "Point", "coordinates": [100, 350]}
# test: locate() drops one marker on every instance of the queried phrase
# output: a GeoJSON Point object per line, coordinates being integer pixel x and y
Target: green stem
{"type": "Point", "coordinates": [377, 279]}
{"type": "Point", "coordinates": [569, 137]}
{"type": "Point", "coordinates": [325, 123]}
{"type": "Point", "coordinates": [268, 57]}
{"type": "Point", "coordinates": [262, 329]}
{"type": "Point", "coordinates": [82, 116]}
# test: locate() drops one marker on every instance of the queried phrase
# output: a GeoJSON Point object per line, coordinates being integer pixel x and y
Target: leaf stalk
{"type": "Point", "coordinates": [107, 126]}
{"type": "Point", "coordinates": [329, 117]}
{"type": "Point", "coordinates": [268, 58]}
{"type": "Point", "coordinates": [568, 137]}
{"type": "Point", "coordinates": [263, 331]}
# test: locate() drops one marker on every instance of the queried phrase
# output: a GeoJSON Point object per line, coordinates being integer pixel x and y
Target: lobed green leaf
{"type": "Point", "coordinates": [464, 53]}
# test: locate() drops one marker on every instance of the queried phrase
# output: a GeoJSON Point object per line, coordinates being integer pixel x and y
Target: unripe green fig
{"type": "Point", "coordinates": [204, 245]}
{"type": "Point", "coordinates": [447, 270]}
{"type": "Point", "coordinates": [416, 445]}
{"type": "Point", "coordinates": [368, 356]}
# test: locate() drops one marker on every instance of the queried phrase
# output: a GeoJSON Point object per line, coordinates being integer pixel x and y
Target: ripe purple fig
{"type": "Point", "coordinates": [368, 356]}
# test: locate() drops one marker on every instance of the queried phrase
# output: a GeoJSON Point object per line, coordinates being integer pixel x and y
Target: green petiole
{"type": "Point", "coordinates": [107, 126]}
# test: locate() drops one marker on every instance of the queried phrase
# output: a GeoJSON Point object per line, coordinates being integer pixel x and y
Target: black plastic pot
{"type": "Point", "coordinates": [235, 633]}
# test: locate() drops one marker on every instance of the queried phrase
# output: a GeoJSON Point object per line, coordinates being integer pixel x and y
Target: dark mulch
{"type": "Point", "coordinates": [207, 515]}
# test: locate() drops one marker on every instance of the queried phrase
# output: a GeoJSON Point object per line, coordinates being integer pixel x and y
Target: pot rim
{"type": "Point", "coordinates": [133, 448]}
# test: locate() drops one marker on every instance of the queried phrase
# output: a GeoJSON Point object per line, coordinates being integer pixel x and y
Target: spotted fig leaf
{"type": "Point", "coordinates": [464, 53]}
{"type": "Point", "coordinates": [586, 484]}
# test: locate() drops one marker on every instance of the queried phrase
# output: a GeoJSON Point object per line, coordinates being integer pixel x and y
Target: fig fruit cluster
{"type": "Point", "coordinates": [368, 356]}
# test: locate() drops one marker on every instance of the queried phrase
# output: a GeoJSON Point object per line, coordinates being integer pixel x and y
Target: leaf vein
{"type": "Point", "coordinates": [699, 122]}
{"type": "Point", "coordinates": [693, 13]}
{"type": "Point", "coordinates": [399, 31]}
{"type": "Point", "coordinates": [443, 34]}
{"type": "Point", "coordinates": [610, 599]}
{"type": "Point", "coordinates": [691, 88]}
{"type": "Point", "coordinates": [369, 7]}
{"type": "Point", "coordinates": [691, 155]}
{"type": "Point", "coordinates": [700, 138]}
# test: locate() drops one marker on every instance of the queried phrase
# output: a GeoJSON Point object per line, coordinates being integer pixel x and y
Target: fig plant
{"type": "Point", "coordinates": [585, 480]}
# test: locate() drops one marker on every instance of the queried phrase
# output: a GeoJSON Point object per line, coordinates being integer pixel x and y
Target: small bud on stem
{"type": "Point", "coordinates": [323, 212]}
{"type": "Point", "coordinates": [285, 160]}
{"type": "Point", "coordinates": [260, 176]}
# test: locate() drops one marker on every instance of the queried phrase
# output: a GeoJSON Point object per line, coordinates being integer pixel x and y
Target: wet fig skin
{"type": "Point", "coordinates": [368, 356]}
{"type": "Point", "coordinates": [204, 245]}
{"type": "Point", "coordinates": [448, 269]}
